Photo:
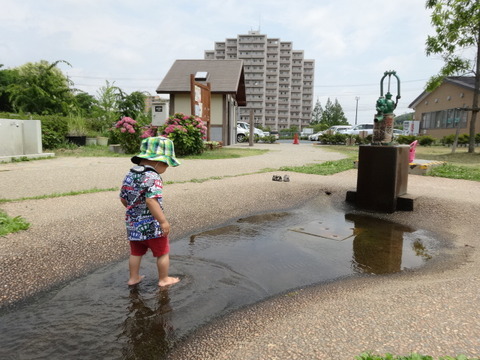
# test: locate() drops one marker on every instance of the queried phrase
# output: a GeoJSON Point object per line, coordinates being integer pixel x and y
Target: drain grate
{"type": "Point", "coordinates": [326, 231]}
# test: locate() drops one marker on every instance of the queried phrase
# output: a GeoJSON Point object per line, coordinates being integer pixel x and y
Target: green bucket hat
{"type": "Point", "coordinates": [157, 149]}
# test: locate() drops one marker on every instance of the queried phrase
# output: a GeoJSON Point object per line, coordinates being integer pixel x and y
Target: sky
{"type": "Point", "coordinates": [133, 43]}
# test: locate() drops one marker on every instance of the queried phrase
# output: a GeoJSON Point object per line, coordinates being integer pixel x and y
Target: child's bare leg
{"type": "Point", "coordinates": [134, 267]}
{"type": "Point", "coordinates": [163, 262]}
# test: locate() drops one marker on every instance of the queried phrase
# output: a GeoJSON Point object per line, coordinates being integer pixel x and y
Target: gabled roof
{"type": "Point", "coordinates": [224, 76]}
{"type": "Point", "coordinates": [467, 82]}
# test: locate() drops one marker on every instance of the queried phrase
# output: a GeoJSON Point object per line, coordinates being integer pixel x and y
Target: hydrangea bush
{"type": "Point", "coordinates": [127, 133]}
{"type": "Point", "coordinates": [186, 132]}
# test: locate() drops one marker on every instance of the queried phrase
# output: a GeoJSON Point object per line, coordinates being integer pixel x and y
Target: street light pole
{"type": "Point", "coordinates": [356, 109]}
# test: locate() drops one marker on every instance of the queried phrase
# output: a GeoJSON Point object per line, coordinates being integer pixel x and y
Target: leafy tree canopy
{"type": "Point", "coordinates": [404, 117]}
{"type": "Point", "coordinates": [7, 77]}
{"type": "Point", "coordinates": [133, 104]}
{"type": "Point", "coordinates": [457, 28]}
{"type": "Point", "coordinates": [85, 104]}
{"type": "Point", "coordinates": [333, 114]}
{"type": "Point", "coordinates": [41, 88]}
{"type": "Point", "coordinates": [317, 113]}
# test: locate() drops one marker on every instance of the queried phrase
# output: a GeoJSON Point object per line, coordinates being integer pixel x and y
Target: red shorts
{"type": "Point", "coordinates": [159, 246]}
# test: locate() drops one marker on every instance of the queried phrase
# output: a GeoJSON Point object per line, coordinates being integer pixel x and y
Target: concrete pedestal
{"type": "Point", "coordinates": [382, 177]}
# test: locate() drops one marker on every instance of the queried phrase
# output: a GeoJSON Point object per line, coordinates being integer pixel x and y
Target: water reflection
{"type": "Point", "coordinates": [147, 332]}
{"type": "Point", "coordinates": [378, 244]}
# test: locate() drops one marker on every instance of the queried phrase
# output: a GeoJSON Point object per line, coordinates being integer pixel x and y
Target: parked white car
{"type": "Point", "coordinates": [243, 130]}
{"type": "Point", "coordinates": [360, 127]}
{"type": "Point", "coordinates": [336, 129]}
{"type": "Point", "coordinates": [314, 137]}
{"type": "Point", "coordinates": [397, 132]}
{"type": "Point", "coordinates": [343, 129]}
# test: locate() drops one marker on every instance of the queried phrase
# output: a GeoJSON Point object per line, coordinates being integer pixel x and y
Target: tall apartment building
{"type": "Point", "coordinates": [278, 80]}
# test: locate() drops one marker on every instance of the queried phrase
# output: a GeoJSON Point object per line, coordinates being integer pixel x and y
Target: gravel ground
{"type": "Point", "coordinates": [433, 311]}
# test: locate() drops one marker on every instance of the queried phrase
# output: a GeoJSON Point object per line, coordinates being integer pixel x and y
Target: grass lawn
{"type": "Point", "coordinates": [460, 165]}
{"type": "Point", "coordinates": [461, 157]}
{"type": "Point", "coordinates": [439, 153]}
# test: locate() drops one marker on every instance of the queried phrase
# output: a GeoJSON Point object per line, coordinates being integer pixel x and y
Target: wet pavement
{"type": "Point", "coordinates": [221, 270]}
{"type": "Point", "coordinates": [433, 310]}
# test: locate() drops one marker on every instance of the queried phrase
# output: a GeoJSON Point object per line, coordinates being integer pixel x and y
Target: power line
{"type": "Point", "coordinates": [376, 84]}
{"type": "Point", "coordinates": [107, 77]}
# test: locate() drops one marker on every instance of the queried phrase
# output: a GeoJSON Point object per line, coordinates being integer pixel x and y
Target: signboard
{"type": "Point", "coordinates": [200, 101]}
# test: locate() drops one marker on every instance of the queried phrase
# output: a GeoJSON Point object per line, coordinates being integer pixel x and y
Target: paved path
{"type": "Point", "coordinates": [62, 175]}
{"type": "Point", "coordinates": [433, 311]}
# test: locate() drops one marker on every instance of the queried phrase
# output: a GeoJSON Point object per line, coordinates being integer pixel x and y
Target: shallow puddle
{"type": "Point", "coordinates": [251, 259]}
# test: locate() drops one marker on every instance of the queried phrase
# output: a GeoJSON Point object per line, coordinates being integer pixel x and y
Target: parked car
{"type": "Point", "coordinates": [343, 129]}
{"type": "Point", "coordinates": [397, 132]}
{"type": "Point", "coordinates": [275, 133]}
{"type": "Point", "coordinates": [314, 137]}
{"type": "Point", "coordinates": [360, 127]}
{"type": "Point", "coordinates": [243, 130]}
{"type": "Point", "coordinates": [336, 129]}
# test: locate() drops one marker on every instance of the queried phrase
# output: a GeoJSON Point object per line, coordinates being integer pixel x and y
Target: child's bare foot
{"type": "Point", "coordinates": [168, 281]}
{"type": "Point", "coordinates": [135, 281]}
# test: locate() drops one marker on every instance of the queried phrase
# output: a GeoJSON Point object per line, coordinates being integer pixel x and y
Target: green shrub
{"type": "Point", "coordinates": [426, 140]}
{"type": "Point", "coordinates": [477, 138]}
{"type": "Point", "coordinates": [186, 132]}
{"type": "Point", "coordinates": [269, 139]}
{"type": "Point", "coordinates": [127, 132]}
{"type": "Point", "coordinates": [54, 130]}
{"type": "Point", "coordinates": [327, 139]}
{"type": "Point", "coordinates": [406, 139]}
{"type": "Point", "coordinates": [340, 138]}
{"type": "Point", "coordinates": [362, 141]}
{"type": "Point", "coordinates": [463, 139]}
{"type": "Point", "coordinates": [447, 140]}
{"type": "Point", "coordinates": [359, 140]}
{"type": "Point", "coordinates": [256, 138]}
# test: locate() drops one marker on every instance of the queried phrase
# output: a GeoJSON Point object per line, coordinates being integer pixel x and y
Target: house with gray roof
{"type": "Point", "coordinates": [441, 110]}
{"type": "Point", "coordinates": [227, 84]}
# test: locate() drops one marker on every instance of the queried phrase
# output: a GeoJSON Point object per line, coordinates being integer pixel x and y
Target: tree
{"type": "Point", "coordinates": [333, 114]}
{"type": "Point", "coordinates": [85, 104]}
{"type": "Point", "coordinates": [457, 27]}
{"type": "Point", "coordinates": [132, 105]}
{"type": "Point", "coordinates": [404, 117]}
{"type": "Point", "coordinates": [7, 77]}
{"type": "Point", "coordinates": [41, 88]}
{"type": "Point", "coordinates": [108, 106]}
{"type": "Point", "coordinates": [317, 113]}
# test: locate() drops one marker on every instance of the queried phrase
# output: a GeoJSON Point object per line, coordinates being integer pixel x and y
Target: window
{"type": "Point", "coordinates": [444, 119]}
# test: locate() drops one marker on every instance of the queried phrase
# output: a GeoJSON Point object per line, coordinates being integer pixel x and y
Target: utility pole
{"type": "Point", "coordinates": [356, 109]}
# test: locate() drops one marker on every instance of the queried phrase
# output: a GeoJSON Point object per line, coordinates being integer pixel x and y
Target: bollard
{"type": "Point", "coordinates": [295, 139]}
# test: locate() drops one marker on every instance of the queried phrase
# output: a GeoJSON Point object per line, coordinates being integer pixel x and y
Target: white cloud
{"type": "Point", "coordinates": [129, 42]}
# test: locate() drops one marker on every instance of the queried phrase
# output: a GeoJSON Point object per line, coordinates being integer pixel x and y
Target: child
{"type": "Point", "coordinates": [141, 194]}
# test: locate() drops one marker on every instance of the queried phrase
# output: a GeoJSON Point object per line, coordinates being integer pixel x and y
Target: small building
{"type": "Point", "coordinates": [227, 83]}
{"type": "Point", "coordinates": [441, 110]}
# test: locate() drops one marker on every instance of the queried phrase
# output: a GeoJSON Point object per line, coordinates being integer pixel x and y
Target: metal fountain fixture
{"type": "Point", "coordinates": [384, 118]}
{"type": "Point", "coordinates": [382, 166]}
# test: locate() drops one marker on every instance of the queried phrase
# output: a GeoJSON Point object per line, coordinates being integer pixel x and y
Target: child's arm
{"type": "Point", "coordinates": [157, 212]}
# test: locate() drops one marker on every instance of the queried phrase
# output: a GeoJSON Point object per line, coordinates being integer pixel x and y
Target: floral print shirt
{"type": "Point", "coordinates": [140, 183]}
